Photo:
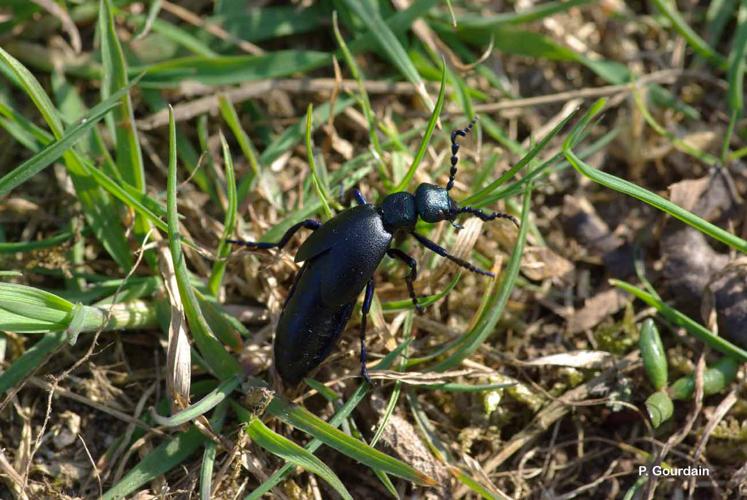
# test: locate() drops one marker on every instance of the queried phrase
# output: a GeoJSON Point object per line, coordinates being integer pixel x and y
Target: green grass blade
{"type": "Point", "coordinates": [370, 16]}
{"type": "Point", "coordinates": [524, 161]}
{"type": "Point", "coordinates": [228, 112]}
{"type": "Point", "coordinates": [229, 222]}
{"type": "Point", "coordinates": [230, 70]}
{"type": "Point", "coordinates": [656, 201]}
{"type": "Point", "coordinates": [496, 299]}
{"type": "Point", "coordinates": [365, 102]}
{"type": "Point", "coordinates": [358, 395]}
{"type": "Point", "coordinates": [735, 77]}
{"type": "Point", "coordinates": [218, 359]}
{"type": "Point", "coordinates": [293, 453]}
{"type": "Point", "coordinates": [306, 421]}
{"type": "Point", "coordinates": [405, 182]}
{"type": "Point", "coordinates": [541, 11]}
{"type": "Point", "coordinates": [30, 360]}
{"type": "Point", "coordinates": [100, 211]}
{"type": "Point", "coordinates": [55, 149]}
{"type": "Point", "coordinates": [700, 46]}
{"type": "Point", "coordinates": [204, 405]}
{"type": "Point", "coordinates": [320, 189]}
{"type": "Point", "coordinates": [129, 158]}
{"type": "Point", "coordinates": [678, 319]}
{"type": "Point", "coordinates": [159, 461]}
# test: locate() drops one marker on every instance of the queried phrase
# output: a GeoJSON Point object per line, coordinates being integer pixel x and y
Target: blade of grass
{"type": "Point", "coordinates": [678, 319]}
{"type": "Point", "coordinates": [321, 190]}
{"type": "Point", "coordinates": [220, 361]}
{"type": "Point", "coordinates": [32, 359]}
{"type": "Point", "coordinates": [735, 77]}
{"type": "Point", "coordinates": [370, 16]}
{"type": "Point", "coordinates": [159, 461]}
{"type": "Point", "coordinates": [129, 158]}
{"type": "Point", "coordinates": [229, 70]}
{"type": "Point", "coordinates": [294, 454]}
{"type": "Point", "coordinates": [405, 182]}
{"type": "Point", "coordinates": [229, 222]}
{"type": "Point", "coordinates": [204, 405]}
{"type": "Point", "coordinates": [56, 148]}
{"type": "Point", "coordinates": [355, 399]}
{"type": "Point", "coordinates": [364, 101]}
{"type": "Point", "coordinates": [228, 112]}
{"type": "Point", "coordinates": [100, 211]}
{"type": "Point", "coordinates": [496, 299]}
{"type": "Point", "coordinates": [211, 450]}
{"type": "Point", "coordinates": [656, 201]}
{"type": "Point", "coordinates": [524, 161]}
{"type": "Point", "coordinates": [306, 421]}
{"type": "Point", "coordinates": [700, 46]}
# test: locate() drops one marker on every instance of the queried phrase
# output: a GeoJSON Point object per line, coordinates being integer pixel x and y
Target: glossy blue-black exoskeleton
{"type": "Point", "coordinates": [340, 258]}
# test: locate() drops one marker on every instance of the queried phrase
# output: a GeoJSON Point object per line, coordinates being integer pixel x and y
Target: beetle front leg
{"type": "Point", "coordinates": [262, 245]}
{"type": "Point", "coordinates": [396, 253]}
{"type": "Point", "coordinates": [367, 300]}
{"type": "Point", "coordinates": [430, 245]}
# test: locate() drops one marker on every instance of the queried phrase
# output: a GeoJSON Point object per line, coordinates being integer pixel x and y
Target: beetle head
{"type": "Point", "coordinates": [434, 204]}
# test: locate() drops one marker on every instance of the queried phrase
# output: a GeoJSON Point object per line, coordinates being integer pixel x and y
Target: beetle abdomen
{"type": "Point", "coordinates": [308, 329]}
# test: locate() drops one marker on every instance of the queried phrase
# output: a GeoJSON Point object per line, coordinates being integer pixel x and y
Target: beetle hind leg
{"type": "Point", "coordinates": [367, 300]}
{"type": "Point", "coordinates": [264, 245]}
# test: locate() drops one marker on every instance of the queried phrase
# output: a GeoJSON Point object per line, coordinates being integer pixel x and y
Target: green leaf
{"type": "Point", "coordinates": [405, 182]}
{"type": "Point", "coordinates": [653, 355]}
{"type": "Point", "coordinates": [229, 222]}
{"type": "Point", "coordinates": [700, 46]}
{"type": "Point", "coordinates": [100, 212]}
{"type": "Point", "coordinates": [659, 408]}
{"type": "Point", "coordinates": [54, 149]}
{"type": "Point", "coordinates": [370, 16]}
{"type": "Point", "coordinates": [31, 360]}
{"type": "Point", "coordinates": [320, 189]}
{"type": "Point", "coordinates": [495, 299]}
{"type": "Point", "coordinates": [306, 421]}
{"type": "Point", "coordinates": [159, 461]}
{"type": "Point", "coordinates": [218, 359]}
{"type": "Point", "coordinates": [678, 319]}
{"type": "Point", "coordinates": [292, 453]}
{"type": "Point", "coordinates": [229, 70]}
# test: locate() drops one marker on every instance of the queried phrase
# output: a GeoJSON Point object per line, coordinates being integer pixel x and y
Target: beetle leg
{"type": "Point", "coordinates": [487, 217]}
{"type": "Point", "coordinates": [396, 253]}
{"type": "Point", "coordinates": [443, 253]}
{"type": "Point", "coordinates": [367, 299]}
{"type": "Point", "coordinates": [262, 245]}
{"type": "Point", "coordinates": [345, 198]}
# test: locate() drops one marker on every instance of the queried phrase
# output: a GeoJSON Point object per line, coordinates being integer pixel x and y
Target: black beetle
{"type": "Point", "coordinates": [340, 259]}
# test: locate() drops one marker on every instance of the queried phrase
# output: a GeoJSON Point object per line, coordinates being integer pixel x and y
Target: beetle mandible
{"type": "Point", "coordinates": [339, 261]}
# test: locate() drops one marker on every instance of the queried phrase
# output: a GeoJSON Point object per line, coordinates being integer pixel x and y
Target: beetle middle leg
{"type": "Point", "coordinates": [263, 245]}
{"type": "Point", "coordinates": [430, 245]}
{"type": "Point", "coordinates": [367, 300]}
{"type": "Point", "coordinates": [396, 253]}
